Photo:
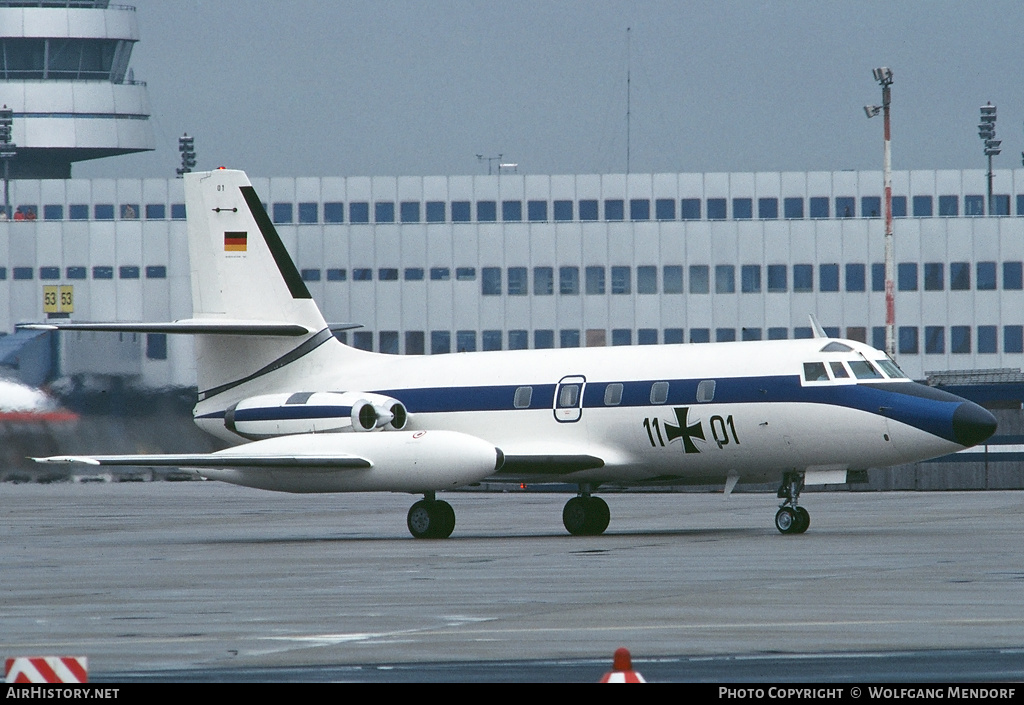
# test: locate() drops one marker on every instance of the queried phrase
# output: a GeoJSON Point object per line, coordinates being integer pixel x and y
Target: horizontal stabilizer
{"type": "Point", "coordinates": [189, 326]}
{"type": "Point", "coordinates": [215, 460]}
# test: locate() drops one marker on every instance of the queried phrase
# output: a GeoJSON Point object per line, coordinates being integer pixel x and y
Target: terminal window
{"type": "Point", "coordinates": [490, 340]}
{"type": "Point", "coordinates": [282, 212]}
{"type": "Point", "coordinates": [387, 342]}
{"type": "Point", "coordinates": [934, 279]}
{"type": "Point", "coordinates": [569, 281]}
{"type": "Point", "coordinates": [1013, 339]}
{"type": "Point", "coordinates": [986, 339]}
{"type": "Point", "coordinates": [614, 209]}
{"type": "Point", "coordinates": [103, 211]}
{"type": "Point", "coordinates": [543, 339]}
{"type": "Point", "coordinates": [465, 341]}
{"type": "Point", "coordinates": [156, 211]}
{"type": "Point", "coordinates": [622, 336]}
{"type": "Point", "coordinates": [435, 211]}
{"type": "Point", "coordinates": [588, 210]}
{"type": "Point", "coordinates": [53, 212]}
{"type": "Point", "coordinates": [310, 275]}
{"type": "Point", "coordinates": [725, 279]}
{"type": "Point", "coordinates": [49, 272]}
{"type": "Point", "coordinates": [777, 333]}
{"type": "Point", "coordinates": [767, 208]}
{"type": "Point", "coordinates": [79, 211]}
{"type": "Point", "coordinates": [384, 212]}
{"type": "Point", "coordinates": [699, 279]}
{"type": "Point", "coordinates": [337, 275]}
{"type": "Point", "coordinates": [672, 279]}
{"type": "Point", "coordinates": [934, 340]}
{"type": "Point", "coordinates": [563, 210]}
{"type": "Point", "coordinates": [906, 276]}
{"type": "Point", "coordinates": [689, 209]}
{"type": "Point", "coordinates": [870, 207]}
{"type": "Point", "coordinates": [725, 335]}
{"type": "Point", "coordinates": [537, 211]}
{"type": "Point", "coordinates": [517, 285]}
{"type": "Point", "coordinates": [647, 336]}
{"type": "Point", "coordinates": [777, 279]}
{"type": "Point", "coordinates": [665, 209]}
{"type": "Point", "coordinates": [844, 206]}
{"type": "Point", "coordinates": [460, 212]}
{"type": "Point", "coordinates": [414, 342]}
{"type": "Point", "coordinates": [568, 338]}
{"type": "Point", "coordinates": [742, 209]}
{"type": "Point", "coordinates": [359, 212]}
{"type": "Point", "coordinates": [543, 281]}
{"type": "Point", "coordinates": [960, 340]}
{"type": "Point", "coordinates": [128, 271]}
{"type": "Point", "coordinates": [819, 206]}
{"type": "Point", "coordinates": [647, 280]}
{"type": "Point", "coordinates": [673, 336]}
{"type": "Point", "coordinates": [828, 277]}
{"type": "Point", "coordinates": [465, 274]}
{"type": "Point", "coordinates": [899, 206]}
{"type": "Point", "coordinates": [855, 277]}
{"type": "Point", "coordinates": [986, 276]}
{"type": "Point", "coordinates": [76, 272]}
{"type": "Point", "coordinates": [716, 209]}
{"type": "Point", "coordinates": [156, 271]}
{"type": "Point", "coordinates": [750, 279]}
{"type": "Point", "coordinates": [99, 272]}
{"type": "Point", "coordinates": [974, 205]}
{"type": "Point", "coordinates": [595, 280]}
{"type": "Point", "coordinates": [639, 209]}
{"type": "Point", "coordinates": [878, 276]}
{"type": "Point", "coordinates": [1013, 276]}
{"type": "Point", "coordinates": [793, 208]}
{"type": "Point", "coordinates": [908, 340]}
{"type": "Point", "coordinates": [413, 274]}
{"type": "Point", "coordinates": [511, 211]}
{"type": "Point", "coordinates": [959, 276]}
{"type": "Point", "coordinates": [409, 211]}
{"type": "Point", "coordinates": [440, 342]}
{"type": "Point", "coordinates": [803, 278]}
{"type": "Point", "coordinates": [334, 212]}
{"type": "Point", "coordinates": [309, 213]}
{"type": "Point", "coordinates": [486, 211]}
{"type": "Point", "coordinates": [130, 211]}
{"type": "Point", "coordinates": [518, 340]}
{"type": "Point", "coordinates": [700, 335]}
{"type": "Point", "coordinates": [622, 280]}
{"type": "Point", "coordinates": [949, 206]}
{"type": "Point", "coordinates": [922, 206]}
{"type": "Point", "coordinates": [749, 334]}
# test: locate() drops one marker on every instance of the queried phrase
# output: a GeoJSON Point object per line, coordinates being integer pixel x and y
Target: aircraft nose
{"type": "Point", "coordinates": [972, 424]}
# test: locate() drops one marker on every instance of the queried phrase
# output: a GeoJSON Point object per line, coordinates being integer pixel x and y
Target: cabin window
{"type": "Point", "coordinates": [613, 394]}
{"type": "Point", "coordinates": [815, 372]}
{"type": "Point", "coordinates": [706, 390]}
{"type": "Point", "coordinates": [659, 392]}
{"type": "Point", "coordinates": [523, 397]}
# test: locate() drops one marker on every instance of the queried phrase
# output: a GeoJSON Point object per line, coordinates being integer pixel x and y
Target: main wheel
{"type": "Point", "coordinates": [598, 516]}
{"type": "Point", "coordinates": [586, 516]}
{"type": "Point", "coordinates": [803, 520]}
{"type": "Point", "coordinates": [786, 520]}
{"type": "Point", "coordinates": [431, 520]}
{"type": "Point", "coordinates": [574, 516]}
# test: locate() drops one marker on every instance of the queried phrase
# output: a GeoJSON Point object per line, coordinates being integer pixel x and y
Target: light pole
{"type": "Point", "coordinates": [490, 162]}
{"type": "Point", "coordinates": [187, 147]}
{"type": "Point", "coordinates": [987, 132]}
{"type": "Point", "coordinates": [884, 77]}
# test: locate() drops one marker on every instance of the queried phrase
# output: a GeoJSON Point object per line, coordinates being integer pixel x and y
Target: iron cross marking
{"type": "Point", "coordinates": [684, 431]}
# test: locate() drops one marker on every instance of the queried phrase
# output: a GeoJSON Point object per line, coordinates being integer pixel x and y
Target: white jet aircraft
{"type": "Point", "coordinates": [310, 414]}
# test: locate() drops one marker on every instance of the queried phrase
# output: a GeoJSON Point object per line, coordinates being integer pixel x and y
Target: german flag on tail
{"type": "Point", "coordinates": [235, 242]}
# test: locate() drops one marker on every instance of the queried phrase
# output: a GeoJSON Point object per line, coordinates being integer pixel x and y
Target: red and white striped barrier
{"type": "Point", "coordinates": [622, 669]}
{"type": "Point", "coordinates": [47, 669]}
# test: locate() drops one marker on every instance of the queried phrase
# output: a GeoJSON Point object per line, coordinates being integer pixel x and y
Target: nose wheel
{"type": "Point", "coordinates": [791, 518]}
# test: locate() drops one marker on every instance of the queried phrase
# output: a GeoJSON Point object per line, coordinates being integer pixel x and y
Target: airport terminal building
{"type": "Point", "coordinates": [433, 265]}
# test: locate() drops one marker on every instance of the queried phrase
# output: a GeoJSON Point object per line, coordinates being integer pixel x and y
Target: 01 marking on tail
{"type": "Point", "coordinates": [307, 413]}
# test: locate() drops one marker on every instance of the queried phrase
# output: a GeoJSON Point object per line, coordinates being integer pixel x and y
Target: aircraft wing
{"type": "Point", "coordinates": [216, 460]}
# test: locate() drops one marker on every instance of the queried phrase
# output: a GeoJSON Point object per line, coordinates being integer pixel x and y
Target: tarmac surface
{"type": "Point", "coordinates": [151, 577]}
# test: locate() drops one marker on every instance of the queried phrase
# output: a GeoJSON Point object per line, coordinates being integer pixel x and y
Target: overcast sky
{"type": "Point", "coordinates": [342, 88]}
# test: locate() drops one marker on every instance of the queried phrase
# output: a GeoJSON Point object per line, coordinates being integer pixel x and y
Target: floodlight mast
{"type": "Point", "coordinates": [884, 77]}
{"type": "Point", "coordinates": [987, 132]}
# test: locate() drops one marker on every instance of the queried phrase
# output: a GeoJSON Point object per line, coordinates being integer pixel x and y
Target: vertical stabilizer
{"type": "Point", "coordinates": [241, 271]}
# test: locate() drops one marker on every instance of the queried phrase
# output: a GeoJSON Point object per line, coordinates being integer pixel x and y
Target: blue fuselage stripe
{"type": "Point", "coordinates": [915, 405]}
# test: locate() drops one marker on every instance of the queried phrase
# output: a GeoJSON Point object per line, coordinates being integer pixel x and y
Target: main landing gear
{"type": "Point", "coordinates": [586, 515]}
{"type": "Point", "coordinates": [791, 518]}
{"type": "Point", "coordinates": [431, 518]}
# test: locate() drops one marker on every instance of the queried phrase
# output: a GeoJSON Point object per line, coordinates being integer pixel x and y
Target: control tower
{"type": "Point", "coordinates": [64, 72]}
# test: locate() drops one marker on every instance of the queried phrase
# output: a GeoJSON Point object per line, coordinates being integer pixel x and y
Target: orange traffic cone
{"type": "Point", "coordinates": [622, 669]}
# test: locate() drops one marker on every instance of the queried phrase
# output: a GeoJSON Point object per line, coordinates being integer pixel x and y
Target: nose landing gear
{"type": "Point", "coordinates": [791, 518]}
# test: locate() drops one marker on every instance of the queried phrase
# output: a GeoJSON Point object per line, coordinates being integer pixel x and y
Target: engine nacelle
{"type": "Point", "coordinates": [291, 413]}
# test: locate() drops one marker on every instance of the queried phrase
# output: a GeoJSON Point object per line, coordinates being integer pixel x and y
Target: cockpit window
{"type": "Point", "coordinates": [815, 372]}
{"type": "Point", "coordinates": [863, 369]}
{"type": "Point", "coordinates": [838, 371]}
{"type": "Point", "coordinates": [890, 368]}
{"type": "Point", "coordinates": [836, 347]}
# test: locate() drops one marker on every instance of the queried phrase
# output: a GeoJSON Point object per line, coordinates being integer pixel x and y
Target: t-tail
{"type": "Point", "coordinates": [242, 275]}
